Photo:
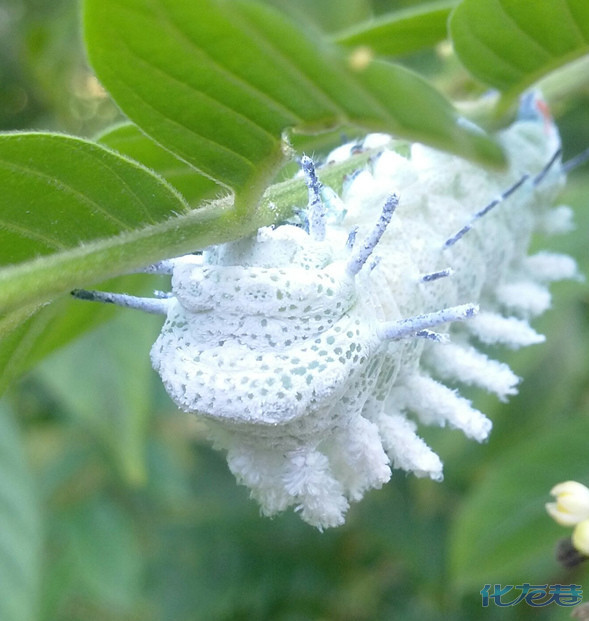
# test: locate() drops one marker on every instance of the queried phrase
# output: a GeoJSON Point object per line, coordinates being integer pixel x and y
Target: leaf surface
{"type": "Point", "coordinates": [510, 44]}
{"type": "Point", "coordinates": [71, 212]}
{"type": "Point", "coordinates": [130, 141]}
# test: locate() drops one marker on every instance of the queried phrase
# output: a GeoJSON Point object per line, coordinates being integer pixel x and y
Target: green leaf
{"type": "Point", "coordinates": [402, 32]}
{"type": "Point", "coordinates": [130, 141]}
{"type": "Point", "coordinates": [503, 533]}
{"type": "Point", "coordinates": [218, 82]}
{"type": "Point", "coordinates": [510, 44]}
{"type": "Point", "coordinates": [20, 538]}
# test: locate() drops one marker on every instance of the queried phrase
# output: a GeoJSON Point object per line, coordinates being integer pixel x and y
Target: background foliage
{"type": "Point", "coordinates": [112, 505]}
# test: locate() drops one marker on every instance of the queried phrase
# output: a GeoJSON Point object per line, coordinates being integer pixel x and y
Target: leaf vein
{"type": "Point", "coordinates": [139, 202]}
{"type": "Point", "coordinates": [68, 189]}
{"type": "Point", "coordinates": [573, 23]}
{"type": "Point", "coordinates": [219, 68]}
{"type": "Point", "coordinates": [519, 27]}
{"type": "Point", "coordinates": [184, 126]}
{"type": "Point", "coordinates": [233, 77]}
{"type": "Point", "coordinates": [349, 83]}
{"type": "Point", "coordinates": [33, 235]}
{"type": "Point", "coordinates": [288, 65]}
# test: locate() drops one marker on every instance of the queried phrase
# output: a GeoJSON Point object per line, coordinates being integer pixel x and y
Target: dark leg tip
{"type": "Point", "coordinates": [83, 294]}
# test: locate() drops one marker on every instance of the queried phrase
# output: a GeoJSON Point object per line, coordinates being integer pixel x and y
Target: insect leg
{"type": "Point", "coordinates": [364, 250]}
{"type": "Point", "coordinates": [317, 211]}
{"type": "Point", "coordinates": [479, 214]}
{"type": "Point", "coordinates": [148, 305]}
{"type": "Point", "coordinates": [166, 266]}
{"type": "Point", "coordinates": [437, 275]}
{"type": "Point", "coordinates": [394, 330]}
{"type": "Point", "coordinates": [538, 178]}
{"type": "Point", "coordinates": [575, 162]}
{"type": "Point", "coordinates": [161, 267]}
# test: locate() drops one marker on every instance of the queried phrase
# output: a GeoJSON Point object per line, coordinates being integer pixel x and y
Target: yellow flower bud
{"type": "Point", "coordinates": [572, 504]}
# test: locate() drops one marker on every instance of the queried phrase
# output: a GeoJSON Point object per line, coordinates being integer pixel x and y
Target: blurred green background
{"type": "Point", "coordinates": [136, 516]}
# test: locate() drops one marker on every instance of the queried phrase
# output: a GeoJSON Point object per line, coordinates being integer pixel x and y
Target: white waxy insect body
{"type": "Point", "coordinates": [309, 354]}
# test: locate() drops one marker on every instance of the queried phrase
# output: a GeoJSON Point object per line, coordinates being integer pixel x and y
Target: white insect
{"type": "Point", "coordinates": [310, 357]}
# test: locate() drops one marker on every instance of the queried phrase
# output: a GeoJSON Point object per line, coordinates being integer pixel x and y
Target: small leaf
{"type": "Point", "coordinates": [402, 32]}
{"type": "Point", "coordinates": [510, 44]}
{"type": "Point", "coordinates": [20, 538]}
{"type": "Point", "coordinates": [503, 533]}
{"type": "Point", "coordinates": [130, 141]}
